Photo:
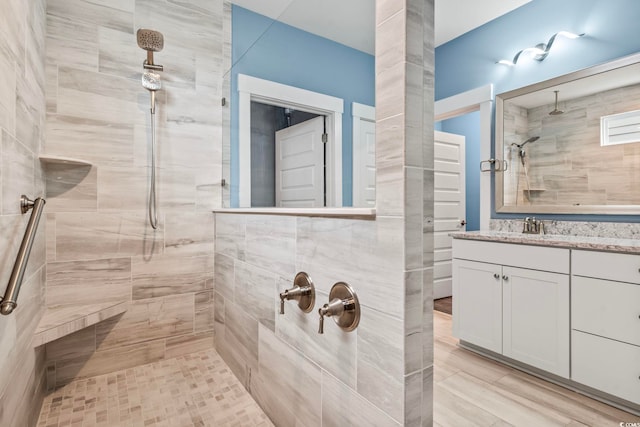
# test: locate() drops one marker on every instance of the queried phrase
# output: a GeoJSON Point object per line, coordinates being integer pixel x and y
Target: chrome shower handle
{"type": "Point", "coordinates": [343, 306]}
{"type": "Point", "coordinates": [302, 291]}
{"type": "Point", "coordinates": [335, 308]}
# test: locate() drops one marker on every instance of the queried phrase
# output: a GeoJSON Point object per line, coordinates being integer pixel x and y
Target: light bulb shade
{"type": "Point", "coordinates": [541, 50]}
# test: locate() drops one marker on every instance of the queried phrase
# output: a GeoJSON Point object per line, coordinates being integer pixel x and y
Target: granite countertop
{"type": "Point", "coordinates": [609, 244]}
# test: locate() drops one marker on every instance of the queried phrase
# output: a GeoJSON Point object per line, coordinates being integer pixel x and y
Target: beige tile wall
{"type": "Point", "coordinates": [381, 373]}
{"type": "Point", "coordinates": [100, 246]}
{"type": "Point", "coordinates": [22, 128]}
{"type": "Point", "coordinates": [97, 111]}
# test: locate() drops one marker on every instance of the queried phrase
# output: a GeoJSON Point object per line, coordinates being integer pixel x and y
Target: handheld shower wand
{"type": "Point", "coordinates": [522, 155]}
{"type": "Point", "coordinates": [521, 151]}
{"type": "Point", "coordinates": [152, 41]}
{"type": "Point", "coordinates": [151, 81]}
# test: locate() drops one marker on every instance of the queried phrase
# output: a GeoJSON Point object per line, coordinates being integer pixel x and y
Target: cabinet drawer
{"type": "Point", "coordinates": [609, 309]}
{"type": "Point", "coordinates": [606, 265]}
{"type": "Point", "coordinates": [606, 365]}
{"type": "Point", "coordinates": [525, 256]}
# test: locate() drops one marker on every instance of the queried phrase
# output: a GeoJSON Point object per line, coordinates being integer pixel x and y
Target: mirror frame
{"type": "Point", "coordinates": [499, 144]}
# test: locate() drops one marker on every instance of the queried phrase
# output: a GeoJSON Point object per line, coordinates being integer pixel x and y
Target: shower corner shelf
{"type": "Point", "coordinates": [47, 159]}
{"type": "Point", "coordinates": [57, 322]}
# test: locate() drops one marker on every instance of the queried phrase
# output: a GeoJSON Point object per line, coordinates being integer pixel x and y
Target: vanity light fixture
{"type": "Point", "coordinates": [540, 51]}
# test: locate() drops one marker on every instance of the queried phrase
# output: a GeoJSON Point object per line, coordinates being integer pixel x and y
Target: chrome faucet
{"type": "Point", "coordinates": [533, 226]}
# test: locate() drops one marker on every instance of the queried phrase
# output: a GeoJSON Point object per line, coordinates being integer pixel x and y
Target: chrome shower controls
{"type": "Point", "coordinates": [343, 306]}
{"type": "Point", "coordinates": [303, 291]}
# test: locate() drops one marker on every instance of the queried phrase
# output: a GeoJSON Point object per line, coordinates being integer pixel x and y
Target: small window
{"type": "Point", "coordinates": [623, 128]}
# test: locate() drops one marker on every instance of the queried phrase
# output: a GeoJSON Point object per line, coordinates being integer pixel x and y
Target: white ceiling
{"type": "Point", "coordinates": [453, 18]}
{"type": "Point", "coordinates": [351, 22]}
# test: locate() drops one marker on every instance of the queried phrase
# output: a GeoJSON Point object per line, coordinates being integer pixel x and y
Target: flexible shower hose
{"type": "Point", "coordinates": [153, 208]}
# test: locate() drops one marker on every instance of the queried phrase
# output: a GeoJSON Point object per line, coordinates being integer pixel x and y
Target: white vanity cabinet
{"type": "Point", "coordinates": [477, 303]}
{"type": "Point", "coordinates": [605, 322]}
{"type": "Point", "coordinates": [513, 300]}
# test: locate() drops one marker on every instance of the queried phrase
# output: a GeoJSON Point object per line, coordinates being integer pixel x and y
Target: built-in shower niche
{"type": "Point", "coordinates": [68, 189]}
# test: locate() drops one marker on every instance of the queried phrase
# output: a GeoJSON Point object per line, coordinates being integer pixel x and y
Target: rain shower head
{"type": "Point", "coordinates": [151, 41]}
{"type": "Point", "coordinates": [556, 111]}
{"type": "Point", "coordinates": [151, 81]}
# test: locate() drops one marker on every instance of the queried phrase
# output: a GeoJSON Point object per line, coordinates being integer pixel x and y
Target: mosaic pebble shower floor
{"type": "Point", "coordinates": [198, 389]}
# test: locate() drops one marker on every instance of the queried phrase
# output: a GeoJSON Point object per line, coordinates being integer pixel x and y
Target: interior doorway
{"type": "Point", "coordinates": [479, 103]}
{"type": "Point", "coordinates": [251, 90]}
{"type": "Point", "coordinates": [449, 206]}
{"type": "Point", "coordinates": [287, 157]}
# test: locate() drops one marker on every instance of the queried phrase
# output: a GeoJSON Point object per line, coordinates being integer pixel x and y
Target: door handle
{"type": "Point", "coordinates": [505, 277]}
{"type": "Point", "coordinates": [496, 276]}
{"type": "Point", "coordinates": [463, 222]}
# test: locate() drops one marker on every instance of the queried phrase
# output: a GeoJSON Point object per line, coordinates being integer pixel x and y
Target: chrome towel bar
{"type": "Point", "coordinates": [9, 302]}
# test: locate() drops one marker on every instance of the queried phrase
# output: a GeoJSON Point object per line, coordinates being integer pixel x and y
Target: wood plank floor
{"type": "Point", "coordinates": [470, 390]}
{"type": "Point", "coordinates": [443, 304]}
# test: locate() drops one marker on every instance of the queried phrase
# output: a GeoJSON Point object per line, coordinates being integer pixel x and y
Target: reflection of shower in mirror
{"type": "Point", "coordinates": [525, 166]}
{"type": "Point", "coordinates": [556, 111]}
{"type": "Point", "coordinates": [521, 151]}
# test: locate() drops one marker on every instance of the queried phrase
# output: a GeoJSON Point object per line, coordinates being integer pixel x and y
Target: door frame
{"type": "Point", "coordinates": [272, 93]}
{"type": "Point", "coordinates": [359, 113]}
{"type": "Point", "coordinates": [479, 99]}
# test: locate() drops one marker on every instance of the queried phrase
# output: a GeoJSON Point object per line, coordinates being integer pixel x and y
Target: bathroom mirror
{"type": "Point", "coordinates": [572, 143]}
{"type": "Point", "coordinates": [298, 124]}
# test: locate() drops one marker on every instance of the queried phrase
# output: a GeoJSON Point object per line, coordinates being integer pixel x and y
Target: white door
{"type": "Point", "coordinates": [364, 155]}
{"type": "Point", "coordinates": [300, 165]}
{"type": "Point", "coordinates": [477, 303]}
{"type": "Point", "coordinates": [449, 205]}
{"type": "Point", "coordinates": [364, 177]}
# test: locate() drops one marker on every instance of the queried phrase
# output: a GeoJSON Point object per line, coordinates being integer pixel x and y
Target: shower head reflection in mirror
{"type": "Point", "coordinates": [525, 165]}
{"type": "Point", "coordinates": [521, 151]}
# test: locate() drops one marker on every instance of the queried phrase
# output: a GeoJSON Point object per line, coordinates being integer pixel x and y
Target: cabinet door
{"type": "Point", "coordinates": [477, 304]}
{"type": "Point", "coordinates": [536, 318]}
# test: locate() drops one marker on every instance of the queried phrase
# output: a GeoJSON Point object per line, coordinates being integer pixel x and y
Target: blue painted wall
{"type": "Point", "coordinates": [287, 55]}
{"type": "Point", "coordinates": [612, 30]}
